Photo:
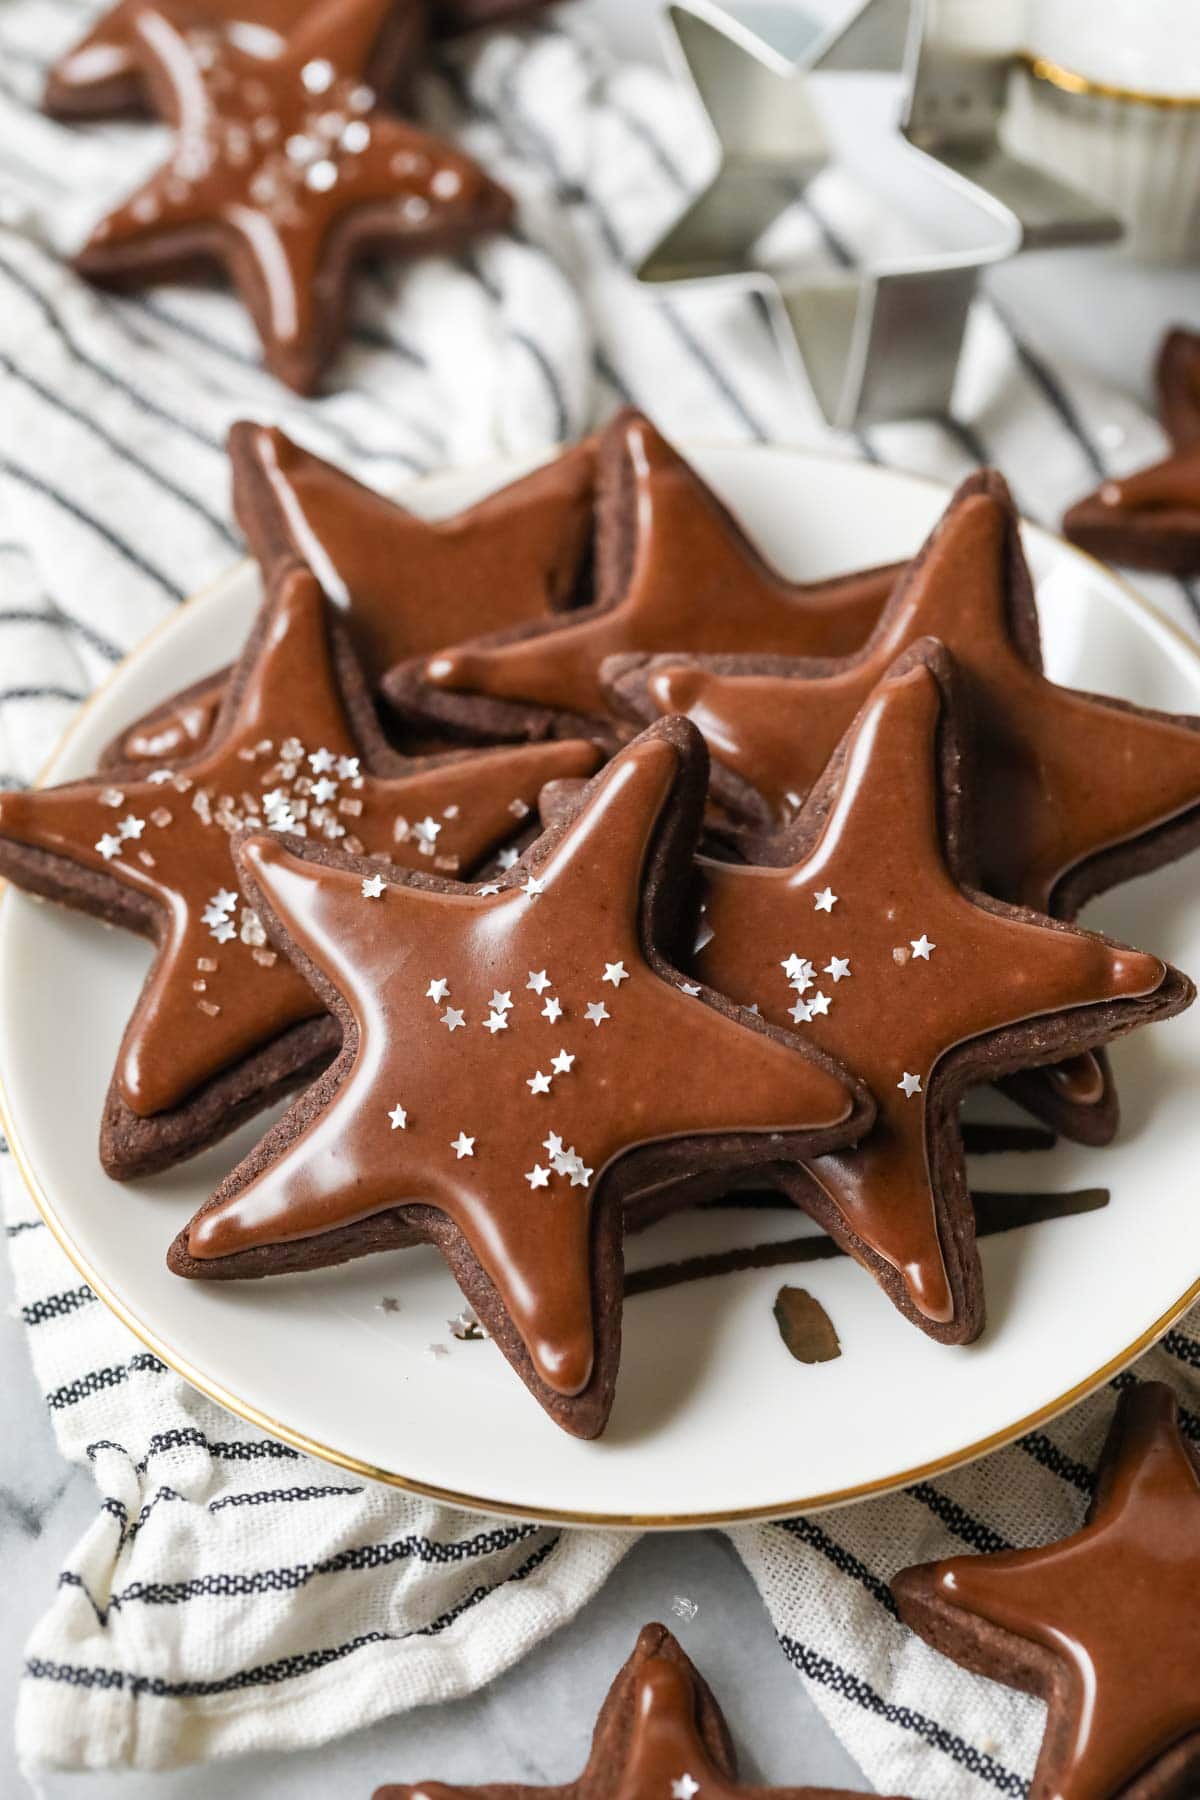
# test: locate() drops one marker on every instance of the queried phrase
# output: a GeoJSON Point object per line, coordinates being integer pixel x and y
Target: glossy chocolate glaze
{"type": "Point", "coordinates": [898, 1007]}
{"type": "Point", "coordinates": [1061, 776]}
{"type": "Point", "coordinates": [1117, 1603]}
{"type": "Point", "coordinates": [404, 584]}
{"type": "Point", "coordinates": [279, 155]}
{"type": "Point", "coordinates": [286, 756]}
{"type": "Point", "coordinates": [695, 585]}
{"type": "Point", "coordinates": [514, 1106]}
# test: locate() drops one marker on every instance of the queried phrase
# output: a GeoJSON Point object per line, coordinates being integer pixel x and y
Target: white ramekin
{"type": "Point", "coordinates": [1108, 96]}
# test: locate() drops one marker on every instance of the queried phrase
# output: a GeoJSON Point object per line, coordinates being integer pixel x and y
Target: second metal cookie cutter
{"type": "Point", "coordinates": [878, 337]}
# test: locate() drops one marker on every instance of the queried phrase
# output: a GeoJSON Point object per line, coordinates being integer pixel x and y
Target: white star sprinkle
{"type": "Point", "coordinates": [922, 948]}
{"type": "Point", "coordinates": [495, 1022]}
{"type": "Point", "coordinates": [438, 989]}
{"type": "Point", "coordinates": [818, 1005]}
{"type": "Point", "coordinates": [552, 1009]}
{"type": "Point", "coordinates": [689, 987]}
{"type": "Point", "coordinates": [372, 887]}
{"type": "Point", "coordinates": [796, 967]}
{"type": "Point", "coordinates": [910, 1083]}
{"type": "Point", "coordinates": [553, 1145]}
{"type": "Point", "coordinates": [131, 827]}
{"type": "Point", "coordinates": [532, 888]}
{"type": "Point", "coordinates": [801, 1012]}
{"type": "Point", "coordinates": [109, 846]}
{"type": "Point", "coordinates": [489, 888]}
{"type": "Point", "coordinates": [324, 791]}
{"type": "Point", "coordinates": [399, 1118]}
{"type": "Point", "coordinates": [501, 1002]}
{"type": "Point", "coordinates": [539, 981]}
{"type": "Point", "coordinates": [562, 1063]}
{"type": "Point", "coordinates": [463, 1146]}
{"type": "Point", "coordinates": [427, 830]}
{"type": "Point", "coordinates": [616, 973]}
{"type": "Point", "coordinates": [225, 900]}
{"type": "Point", "coordinates": [825, 901]}
{"type": "Point", "coordinates": [507, 858]}
{"type": "Point", "coordinates": [838, 967]}
{"type": "Point", "coordinates": [347, 768]}
{"type": "Point", "coordinates": [686, 1788]}
{"type": "Point", "coordinates": [453, 1020]}
{"type": "Point", "coordinates": [539, 1083]}
{"type": "Point", "coordinates": [224, 931]}
{"type": "Point", "coordinates": [538, 1177]}
{"type": "Point", "coordinates": [321, 761]}
{"type": "Point", "coordinates": [597, 1012]}
{"type": "Point", "coordinates": [580, 1176]}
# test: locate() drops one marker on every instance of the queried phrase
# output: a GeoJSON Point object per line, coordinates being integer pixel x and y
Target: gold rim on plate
{"type": "Point", "coordinates": [552, 1515]}
{"type": "Point", "coordinates": [1070, 81]}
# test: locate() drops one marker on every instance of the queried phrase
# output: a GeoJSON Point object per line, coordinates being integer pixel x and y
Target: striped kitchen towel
{"type": "Point", "coordinates": [231, 1593]}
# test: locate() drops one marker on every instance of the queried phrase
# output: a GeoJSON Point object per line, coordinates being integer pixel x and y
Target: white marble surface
{"type": "Point", "coordinates": [534, 1723]}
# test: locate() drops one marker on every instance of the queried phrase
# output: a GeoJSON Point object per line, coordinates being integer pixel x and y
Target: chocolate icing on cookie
{"type": "Point", "coordinates": [402, 583]}
{"type": "Point", "coordinates": [660, 1734]}
{"type": "Point", "coordinates": [1062, 776]}
{"type": "Point", "coordinates": [285, 170]}
{"type": "Point", "coordinates": [1151, 518]}
{"type": "Point", "coordinates": [287, 755]}
{"type": "Point", "coordinates": [501, 1057]}
{"type": "Point", "coordinates": [692, 582]}
{"type": "Point", "coordinates": [1104, 1624]}
{"type": "Point", "coordinates": [861, 938]}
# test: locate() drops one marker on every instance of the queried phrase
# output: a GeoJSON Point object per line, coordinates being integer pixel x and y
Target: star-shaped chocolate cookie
{"type": "Point", "coordinates": [402, 584]}
{"type": "Point", "coordinates": [1075, 792]}
{"type": "Point", "coordinates": [224, 1024]}
{"type": "Point", "coordinates": [860, 935]}
{"type": "Point", "coordinates": [518, 1060]}
{"type": "Point", "coordinates": [685, 578]}
{"type": "Point", "coordinates": [660, 1736]}
{"type": "Point", "coordinates": [1151, 519]}
{"type": "Point", "coordinates": [101, 75]}
{"type": "Point", "coordinates": [285, 171]}
{"type": "Point", "coordinates": [1104, 1625]}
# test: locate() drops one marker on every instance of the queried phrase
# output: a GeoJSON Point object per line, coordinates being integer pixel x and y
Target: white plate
{"type": "Point", "coordinates": [713, 1419]}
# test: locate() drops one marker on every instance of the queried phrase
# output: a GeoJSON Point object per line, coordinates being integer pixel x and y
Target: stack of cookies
{"type": "Point", "coordinates": [568, 865]}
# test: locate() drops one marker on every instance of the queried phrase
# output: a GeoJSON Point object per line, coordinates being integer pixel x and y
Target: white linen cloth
{"type": "Point", "coordinates": [232, 1594]}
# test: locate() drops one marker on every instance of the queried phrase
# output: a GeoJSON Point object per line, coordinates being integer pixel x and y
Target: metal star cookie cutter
{"type": "Point", "coordinates": [879, 337]}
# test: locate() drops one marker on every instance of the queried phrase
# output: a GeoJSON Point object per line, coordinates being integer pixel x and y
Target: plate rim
{"type": "Point", "coordinates": [245, 1409]}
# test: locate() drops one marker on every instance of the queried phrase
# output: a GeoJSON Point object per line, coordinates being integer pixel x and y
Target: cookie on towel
{"type": "Point", "coordinates": [1104, 1625]}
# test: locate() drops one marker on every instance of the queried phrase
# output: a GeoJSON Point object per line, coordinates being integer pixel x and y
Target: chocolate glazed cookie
{"type": "Point", "coordinates": [502, 1086]}
{"type": "Point", "coordinates": [1075, 792]}
{"type": "Point", "coordinates": [224, 1025]}
{"type": "Point", "coordinates": [1151, 519]}
{"type": "Point", "coordinates": [660, 1736]}
{"type": "Point", "coordinates": [1104, 1626]}
{"type": "Point", "coordinates": [399, 582]}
